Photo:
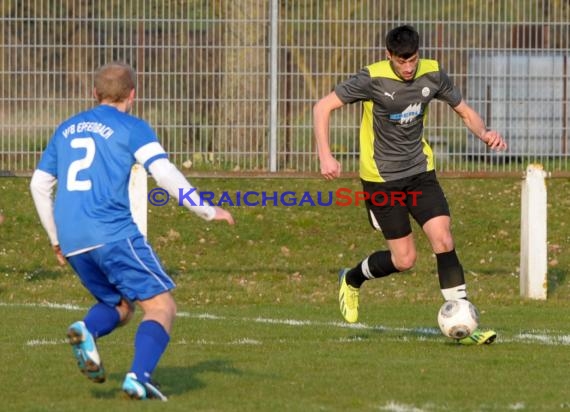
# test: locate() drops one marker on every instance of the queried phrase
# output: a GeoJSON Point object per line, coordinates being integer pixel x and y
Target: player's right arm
{"type": "Point", "coordinates": [330, 167]}
{"type": "Point", "coordinates": [42, 186]}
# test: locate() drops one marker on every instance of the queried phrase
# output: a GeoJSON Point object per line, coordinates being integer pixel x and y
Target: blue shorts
{"type": "Point", "coordinates": [126, 268]}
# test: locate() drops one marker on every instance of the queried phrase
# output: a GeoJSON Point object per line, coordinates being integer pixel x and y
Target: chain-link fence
{"type": "Point", "coordinates": [229, 85]}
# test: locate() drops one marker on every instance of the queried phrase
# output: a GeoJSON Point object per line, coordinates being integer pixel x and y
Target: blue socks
{"type": "Point", "coordinates": [151, 341]}
{"type": "Point", "coordinates": [101, 320]}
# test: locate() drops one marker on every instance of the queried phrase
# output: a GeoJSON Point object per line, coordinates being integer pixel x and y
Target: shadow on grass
{"type": "Point", "coordinates": [178, 380]}
{"type": "Point", "coordinates": [556, 278]}
{"type": "Point", "coordinates": [172, 380]}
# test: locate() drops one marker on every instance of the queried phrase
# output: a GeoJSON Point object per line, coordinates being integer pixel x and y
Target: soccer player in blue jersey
{"type": "Point", "coordinates": [89, 224]}
{"type": "Point", "coordinates": [395, 157]}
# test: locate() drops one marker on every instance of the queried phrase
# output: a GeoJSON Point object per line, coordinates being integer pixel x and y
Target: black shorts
{"type": "Point", "coordinates": [389, 204]}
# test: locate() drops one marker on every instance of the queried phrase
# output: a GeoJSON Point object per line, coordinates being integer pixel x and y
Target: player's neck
{"type": "Point", "coordinates": [123, 106]}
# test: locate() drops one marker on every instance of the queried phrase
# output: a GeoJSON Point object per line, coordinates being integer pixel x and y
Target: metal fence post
{"type": "Point", "coordinates": [274, 52]}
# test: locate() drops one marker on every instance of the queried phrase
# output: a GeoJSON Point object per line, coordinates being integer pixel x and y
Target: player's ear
{"type": "Point", "coordinates": [388, 55]}
{"type": "Point", "coordinates": [95, 95]}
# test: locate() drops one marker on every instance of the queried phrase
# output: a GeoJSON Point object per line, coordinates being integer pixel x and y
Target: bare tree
{"type": "Point", "coordinates": [242, 111]}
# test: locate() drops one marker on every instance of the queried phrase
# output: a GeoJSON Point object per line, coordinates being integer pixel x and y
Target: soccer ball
{"type": "Point", "coordinates": [458, 319]}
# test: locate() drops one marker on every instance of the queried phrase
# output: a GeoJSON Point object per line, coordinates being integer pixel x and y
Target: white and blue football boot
{"type": "Point", "coordinates": [141, 390]}
{"type": "Point", "coordinates": [85, 352]}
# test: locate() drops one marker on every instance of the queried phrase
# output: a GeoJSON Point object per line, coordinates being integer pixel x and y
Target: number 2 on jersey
{"type": "Point", "coordinates": [73, 183]}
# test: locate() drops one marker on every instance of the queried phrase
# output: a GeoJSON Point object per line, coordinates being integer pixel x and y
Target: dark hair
{"type": "Point", "coordinates": [403, 41]}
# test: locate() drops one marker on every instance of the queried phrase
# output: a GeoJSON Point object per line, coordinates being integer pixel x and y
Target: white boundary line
{"type": "Point", "coordinates": [534, 337]}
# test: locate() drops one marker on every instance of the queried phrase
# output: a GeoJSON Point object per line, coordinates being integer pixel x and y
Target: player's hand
{"type": "Point", "coordinates": [59, 256]}
{"type": "Point", "coordinates": [494, 140]}
{"type": "Point", "coordinates": [330, 168]}
{"type": "Point", "coordinates": [222, 214]}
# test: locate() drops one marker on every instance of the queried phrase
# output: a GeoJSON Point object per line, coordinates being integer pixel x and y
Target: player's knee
{"type": "Point", "coordinates": [405, 262]}
{"type": "Point", "coordinates": [160, 308]}
{"type": "Point", "coordinates": [126, 310]}
{"type": "Point", "coordinates": [443, 244]}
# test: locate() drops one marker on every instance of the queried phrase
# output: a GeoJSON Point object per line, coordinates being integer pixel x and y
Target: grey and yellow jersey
{"type": "Point", "coordinates": [392, 145]}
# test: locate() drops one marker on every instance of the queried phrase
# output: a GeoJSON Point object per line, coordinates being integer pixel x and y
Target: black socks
{"type": "Point", "coordinates": [377, 265]}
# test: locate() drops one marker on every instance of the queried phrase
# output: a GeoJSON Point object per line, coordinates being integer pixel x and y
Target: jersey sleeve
{"type": "Point", "coordinates": [144, 144]}
{"type": "Point", "coordinates": [448, 92]}
{"type": "Point", "coordinates": [41, 186]}
{"type": "Point", "coordinates": [48, 161]}
{"type": "Point", "coordinates": [356, 88]}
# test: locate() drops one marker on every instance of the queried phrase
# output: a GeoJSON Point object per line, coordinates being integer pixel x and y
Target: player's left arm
{"type": "Point", "coordinates": [476, 125]}
{"type": "Point", "coordinates": [155, 160]}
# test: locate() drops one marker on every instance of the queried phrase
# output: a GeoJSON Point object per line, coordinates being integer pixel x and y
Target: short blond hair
{"type": "Point", "coordinates": [114, 82]}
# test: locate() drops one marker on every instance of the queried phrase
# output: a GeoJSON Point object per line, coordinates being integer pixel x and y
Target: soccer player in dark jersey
{"type": "Point", "coordinates": [90, 225]}
{"type": "Point", "coordinates": [395, 157]}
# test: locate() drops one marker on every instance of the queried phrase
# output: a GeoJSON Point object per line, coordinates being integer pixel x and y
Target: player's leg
{"type": "Point", "coordinates": [393, 221]}
{"type": "Point", "coordinates": [101, 319]}
{"type": "Point", "coordinates": [151, 340]}
{"type": "Point", "coordinates": [450, 271]}
{"type": "Point", "coordinates": [449, 268]}
{"type": "Point", "coordinates": [142, 279]}
{"type": "Point", "coordinates": [432, 214]}
{"type": "Point", "coordinates": [431, 211]}
{"type": "Point", "coordinates": [126, 310]}
{"type": "Point", "coordinates": [400, 256]}
{"type": "Point", "coordinates": [153, 334]}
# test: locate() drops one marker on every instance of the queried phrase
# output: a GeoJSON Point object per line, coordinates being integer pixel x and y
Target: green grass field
{"type": "Point", "coordinates": [259, 327]}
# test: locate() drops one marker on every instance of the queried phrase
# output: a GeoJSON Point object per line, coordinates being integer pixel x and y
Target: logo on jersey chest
{"type": "Point", "coordinates": [409, 114]}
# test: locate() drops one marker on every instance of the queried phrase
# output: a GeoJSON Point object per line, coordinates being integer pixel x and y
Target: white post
{"type": "Point", "coordinates": [533, 254]}
{"type": "Point", "coordinates": [137, 197]}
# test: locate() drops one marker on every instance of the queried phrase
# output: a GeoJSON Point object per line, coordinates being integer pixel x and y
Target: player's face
{"type": "Point", "coordinates": [404, 68]}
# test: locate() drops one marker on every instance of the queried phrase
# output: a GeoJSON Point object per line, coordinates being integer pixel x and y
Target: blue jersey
{"type": "Point", "coordinates": [91, 155]}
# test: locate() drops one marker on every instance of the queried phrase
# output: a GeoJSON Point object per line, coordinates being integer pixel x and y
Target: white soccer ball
{"type": "Point", "coordinates": [458, 319]}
